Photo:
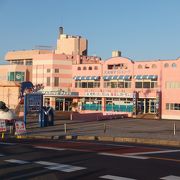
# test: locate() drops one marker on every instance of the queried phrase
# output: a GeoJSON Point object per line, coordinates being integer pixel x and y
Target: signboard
{"type": "Point", "coordinates": [109, 94]}
{"type": "Point", "coordinates": [116, 72]}
{"type": "Point", "coordinates": [158, 104]}
{"type": "Point", "coordinates": [20, 127]}
{"type": "Point", "coordinates": [33, 102]}
{"type": "Point", "coordinates": [134, 103]}
{"type": "Point", "coordinates": [2, 126]}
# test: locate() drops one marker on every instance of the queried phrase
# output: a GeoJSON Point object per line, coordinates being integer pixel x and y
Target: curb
{"type": "Point", "coordinates": [160, 142]}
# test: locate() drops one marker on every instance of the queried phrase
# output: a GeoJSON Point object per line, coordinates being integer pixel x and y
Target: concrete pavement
{"type": "Point", "coordinates": [160, 132]}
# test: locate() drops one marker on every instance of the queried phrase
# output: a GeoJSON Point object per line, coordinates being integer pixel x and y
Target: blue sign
{"type": "Point", "coordinates": [33, 103]}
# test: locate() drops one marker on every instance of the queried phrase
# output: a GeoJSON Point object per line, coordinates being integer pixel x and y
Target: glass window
{"type": "Point", "coordinates": [139, 66]}
{"type": "Point", "coordinates": [84, 68]}
{"type": "Point", "coordinates": [95, 67]}
{"type": "Point", "coordinates": [56, 81]}
{"type": "Point", "coordinates": [90, 68]}
{"type": "Point", "coordinates": [78, 68]}
{"type": "Point", "coordinates": [84, 84]}
{"type": "Point", "coordinates": [90, 84]}
{"type": "Point", "coordinates": [174, 65]}
{"type": "Point", "coordinates": [56, 70]}
{"type": "Point", "coordinates": [176, 106]}
{"type": "Point", "coordinates": [167, 106]}
{"type": "Point", "coordinates": [146, 84]}
{"type": "Point", "coordinates": [166, 65]}
{"type": "Point", "coordinates": [121, 84]}
{"type": "Point", "coordinates": [138, 84]}
{"type": "Point", "coordinates": [48, 70]}
{"type": "Point", "coordinates": [48, 81]}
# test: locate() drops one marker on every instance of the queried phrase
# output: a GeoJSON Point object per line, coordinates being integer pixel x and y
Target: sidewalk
{"type": "Point", "coordinates": [164, 132]}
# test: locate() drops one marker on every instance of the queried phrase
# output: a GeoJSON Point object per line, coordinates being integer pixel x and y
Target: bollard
{"type": "Point", "coordinates": [174, 129]}
{"type": "Point", "coordinates": [104, 128]}
{"type": "Point", "coordinates": [65, 128]}
{"type": "Point", "coordinates": [2, 136]}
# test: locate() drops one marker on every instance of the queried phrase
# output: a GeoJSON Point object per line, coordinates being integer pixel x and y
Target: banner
{"type": "Point", "coordinates": [20, 128]}
{"type": "Point", "coordinates": [134, 103]}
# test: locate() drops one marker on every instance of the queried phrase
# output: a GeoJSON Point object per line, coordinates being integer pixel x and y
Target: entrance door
{"type": "Point", "coordinates": [152, 106]}
{"type": "Point", "coordinates": [140, 106]}
{"type": "Point", "coordinates": [59, 104]}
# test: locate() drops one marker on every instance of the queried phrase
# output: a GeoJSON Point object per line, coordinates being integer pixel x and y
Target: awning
{"type": "Point", "coordinates": [139, 77]}
{"type": "Point", "coordinates": [127, 77]}
{"type": "Point", "coordinates": [107, 77]}
{"type": "Point", "coordinates": [86, 78]}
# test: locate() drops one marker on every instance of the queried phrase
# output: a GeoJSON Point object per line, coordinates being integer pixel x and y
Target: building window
{"type": "Point", "coordinates": [56, 70]}
{"type": "Point", "coordinates": [84, 68]}
{"type": "Point", "coordinates": [138, 85]}
{"type": "Point", "coordinates": [48, 81]}
{"type": "Point", "coordinates": [90, 68]}
{"type": "Point", "coordinates": [56, 81]}
{"type": "Point", "coordinates": [95, 67]}
{"type": "Point", "coordinates": [48, 70]}
{"type": "Point", "coordinates": [139, 66]}
{"type": "Point", "coordinates": [29, 62]}
{"type": "Point", "coordinates": [154, 66]}
{"type": "Point", "coordinates": [146, 66]}
{"type": "Point", "coordinates": [174, 65]}
{"type": "Point", "coordinates": [166, 65]}
{"type": "Point", "coordinates": [78, 68]}
{"type": "Point", "coordinates": [173, 106]}
{"type": "Point", "coordinates": [16, 76]}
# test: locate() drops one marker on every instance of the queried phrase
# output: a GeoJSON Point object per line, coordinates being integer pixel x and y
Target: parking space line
{"type": "Point", "coordinates": [124, 155]}
{"type": "Point", "coordinates": [51, 148]}
{"type": "Point", "coordinates": [153, 152]}
{"type": "Point", "coordinates": [115, 177]}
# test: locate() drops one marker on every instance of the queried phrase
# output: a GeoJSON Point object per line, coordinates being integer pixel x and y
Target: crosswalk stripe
{"type": "Point", "coordinates": [46, 163]}
{"type": "Point", "coordinates": [59, 167]}
{"type": "Point", "coordinates": [65, 168]}
{"type": "Point", "coordinates": [115, 177]}
{"type": "Point", "coordinates": [17, 161]}
{"type": "Point", "coordinates": [125, 155]}
{"type": "Point", "coordinates": [171, 177]}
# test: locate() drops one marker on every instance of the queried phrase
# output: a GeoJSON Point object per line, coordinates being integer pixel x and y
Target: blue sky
{"type": "Point", "coordinates": [141, 29]}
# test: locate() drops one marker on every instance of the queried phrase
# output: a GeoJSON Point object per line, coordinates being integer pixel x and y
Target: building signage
{"type": "Point", "coordinates": [109, 94]}
{"type": "Point", "coordinates": [60, 93]}
{"type": "Point", "coordinates": [109, 72]}
{"type": "Point", "coordinates": [134, 103]}
{"type": "Point", "coordinates": [158, 104]}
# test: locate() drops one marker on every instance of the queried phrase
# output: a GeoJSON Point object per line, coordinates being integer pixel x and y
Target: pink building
{"type": "Point", "coordinates": [118, 84]}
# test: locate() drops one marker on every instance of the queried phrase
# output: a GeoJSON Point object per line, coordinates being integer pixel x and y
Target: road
{"type": "Point", "coordinates": [76, 160]}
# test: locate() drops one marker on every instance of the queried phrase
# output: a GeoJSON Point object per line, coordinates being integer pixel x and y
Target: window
{"type": "Point", "coordinates": [138, 85]}
{"type": "Point", "coordinates": [48, 81]}
{"type": "Point", "coordinates": [174, 65]}
{"type": "Point", "coordinates": [95, 67]}
{"type": "Point", "coordinates": [154, 66]}
{"type": "Point", "coordinates": [56, 81]}
{"type": "Point", "coordinates": [146, 84]}
{"type": "Point", "coordinates": [110, 66]}
{"type": "Point", "coordinates": [172, 106]}
{"type": "Point", "coordinates": [48, 70]}
{"type": "Point", "coordinates": [29, 62]}
{"type": "Point", "coordinates": [78, 68]}
{"type": "Point", "coordinates": [139, 66]}
{"type": "Point", "coordinates": [166, 65]}
{"type": "Point", "coordinates": [56, 70]}
{"type": "Point", "coordinates": [147, 66]}
{"type": "Point", "coordinates": [90, 67]}
{"type": "Point", "coordinates": [84, 68]}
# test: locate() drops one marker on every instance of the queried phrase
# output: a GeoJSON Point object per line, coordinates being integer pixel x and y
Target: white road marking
{"type": "Point", "coordinates": [154, 152]}
{"type": "Point", "coordinates": [46, 163]}
{"type": "Point", "coordinates": [115, 177]}
{"type": "Point", "coordinates": [65, 168]}
{"type": "Point", "coordinates": [51, 148]}
{"type": "Point", "coordinates": [59, 167]}
{"type": "Point", "coordinates": [16, 161]}
{"type": "Point", "coordinates": [123, 155]}
{"type": "Point", "coordinates": [5, 143]}
{"type": "Point", "coordinates": [171, 177]}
